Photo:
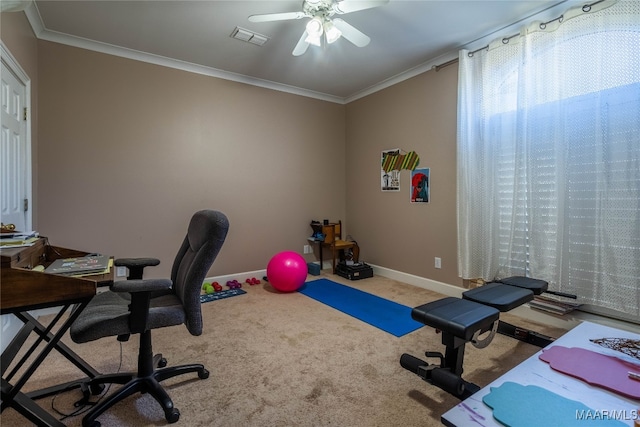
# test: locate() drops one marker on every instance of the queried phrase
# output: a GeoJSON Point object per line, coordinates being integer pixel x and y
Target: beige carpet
{"type": "Point", "coordinates": [287, 360]}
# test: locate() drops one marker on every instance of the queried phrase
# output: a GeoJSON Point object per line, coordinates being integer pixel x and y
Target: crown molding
{"type": "Point", "coordinates": [405, 75]}
{"type": "Point", "coordinates": [42, 33]}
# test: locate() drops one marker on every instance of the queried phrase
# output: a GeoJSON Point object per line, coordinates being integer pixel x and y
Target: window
{"type": "Point", "coordinates": [549, 157]}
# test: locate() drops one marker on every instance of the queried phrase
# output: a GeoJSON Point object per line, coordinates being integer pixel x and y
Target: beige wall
{"type": "Point", "coordinates": [128, 150]}
{"type": "Point", "coordinates": [418, 115]}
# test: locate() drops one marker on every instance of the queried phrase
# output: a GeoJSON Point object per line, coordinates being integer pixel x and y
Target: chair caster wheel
{"type": "Point", "coordinates": [203, 374]}
{"type": "Point", "coordinates": [172, 415]}
{"type": "Point", "coordinates": [95, 423]}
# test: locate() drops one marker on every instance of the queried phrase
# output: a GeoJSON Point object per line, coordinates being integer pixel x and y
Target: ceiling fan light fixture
{"type": "Point", "coordinates": [321, 23]}
{"type": "Point", "coordinates": [314, 31]}
{"type": "Point", "coordinates": [331, 32]}
{"type": "Point", "coordinates": [314, 40]}
{"type": "Point", "coordinates": [314, 27]}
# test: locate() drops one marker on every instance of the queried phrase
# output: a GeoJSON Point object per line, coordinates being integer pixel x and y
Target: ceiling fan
{"type": "Point", "coordinates": [321, 24]}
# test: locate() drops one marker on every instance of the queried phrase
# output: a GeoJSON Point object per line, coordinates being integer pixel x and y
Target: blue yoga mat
{"type": "Point", "coordinates": [387, 315]}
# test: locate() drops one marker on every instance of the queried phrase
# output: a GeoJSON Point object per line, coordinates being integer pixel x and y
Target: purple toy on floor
{"type": "Point", "coordinates": [234, 284]}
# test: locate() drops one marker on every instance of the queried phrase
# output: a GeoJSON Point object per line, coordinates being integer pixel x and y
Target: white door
{"type": "Point", "coordinates": [15, 159]}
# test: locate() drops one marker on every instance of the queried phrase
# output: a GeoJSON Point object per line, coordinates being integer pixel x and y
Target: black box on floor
{"type": "Point", "coordinates": [313, 268]}
{"type": "Point", "coordinates": [356, 271]}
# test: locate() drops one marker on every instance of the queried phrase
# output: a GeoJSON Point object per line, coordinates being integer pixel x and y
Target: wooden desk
{"type": "Point", "coordinates": [533, 371]}
{"type": "Point", "coordinates": [22, 289]}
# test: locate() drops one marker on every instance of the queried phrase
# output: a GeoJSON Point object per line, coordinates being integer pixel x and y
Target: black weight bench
{"type": "Point", "coordinates": [473, 318]}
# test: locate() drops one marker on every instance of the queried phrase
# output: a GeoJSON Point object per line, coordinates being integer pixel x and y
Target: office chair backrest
{"type": "Point", "coordinates": [205, 236]}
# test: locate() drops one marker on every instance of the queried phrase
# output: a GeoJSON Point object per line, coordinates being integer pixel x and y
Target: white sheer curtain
{"type": "Point", "coordinates": [549, 156]}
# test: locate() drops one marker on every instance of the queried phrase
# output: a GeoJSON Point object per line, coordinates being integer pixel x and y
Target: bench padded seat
{"type": "Point", "coordinates": [456, 316]}
{"type": "Point", "coordinates": [537, 286]}
{"type": "Point", "coordinates": [500, 296]}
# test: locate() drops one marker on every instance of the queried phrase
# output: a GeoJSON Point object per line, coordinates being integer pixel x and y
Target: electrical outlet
{"type": "Point", "coordinates": [438, 263]}
{"type": "Point", "coordinates": [121, 271]}
{"type": "Point", "coordinates": [307, 249]}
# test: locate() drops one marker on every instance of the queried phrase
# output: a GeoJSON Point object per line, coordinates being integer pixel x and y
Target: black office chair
{"type": "Point", "coordinates": [136, 306]}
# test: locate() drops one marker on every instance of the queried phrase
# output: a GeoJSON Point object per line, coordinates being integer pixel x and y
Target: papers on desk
{"type": "Point", "coordinates": [95, 273]}
{"type": "Point", "coordinates": [80, 266]}
{"type": "Point", "coordinates": [18, 239]}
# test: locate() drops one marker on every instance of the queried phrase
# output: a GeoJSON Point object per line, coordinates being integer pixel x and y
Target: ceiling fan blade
{"type": "Point", "coordinates": [277, 16]}
{"type": "Point", "coordinates": [348, 6]}
{"type": "Point", "coordinates": [351, 33]}
{"type": "Point", "coordinates": [302, 45]}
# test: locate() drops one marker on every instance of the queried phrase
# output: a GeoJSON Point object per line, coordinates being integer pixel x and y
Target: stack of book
{"type": "Point", "coordinates": [554, 303]}
{"type": "Point", "coordinates": [17, 239]}
{"type": "Point", "coordinates": [81, 266]}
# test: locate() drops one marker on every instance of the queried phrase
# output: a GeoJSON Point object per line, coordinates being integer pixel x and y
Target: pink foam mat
{"type": "Point", "coordinates": [594, 368]}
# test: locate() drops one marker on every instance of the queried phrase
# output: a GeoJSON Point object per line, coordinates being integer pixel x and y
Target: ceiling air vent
{"type": "Point", "coordinates": [249, 36]}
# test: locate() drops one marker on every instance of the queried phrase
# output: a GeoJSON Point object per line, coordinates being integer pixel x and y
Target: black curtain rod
{"type": "Point", "coordinates": [586, 9]}
{"type": "Point", "coordinates": [505, 40]}
{"type": "Point", "coordinates": [445, 64]}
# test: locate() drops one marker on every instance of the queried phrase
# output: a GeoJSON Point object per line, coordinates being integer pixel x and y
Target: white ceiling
{"type": "Point", "coordinates": [407, 38]}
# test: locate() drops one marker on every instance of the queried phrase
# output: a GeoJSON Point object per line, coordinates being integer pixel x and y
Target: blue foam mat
{"type": "Point", "coordinates": [221, 295]}
{"type": "Point", "coordinates": [517, 405]}
{"type": "Point", "coordinates": [387, 315]}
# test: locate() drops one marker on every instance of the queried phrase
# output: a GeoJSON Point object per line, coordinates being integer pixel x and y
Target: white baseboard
{"type": "Point", "coordinates": [567, 322]}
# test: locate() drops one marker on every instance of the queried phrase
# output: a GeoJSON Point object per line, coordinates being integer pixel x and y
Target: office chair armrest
{"type": "Point", "coordinates": [136, 266]}
{"type": "Point", "coordinates": [141, 285]}
{"type": "Point", "coordinates": [136, 262]}
{"type": "Point", "coordinates": [141, 292]}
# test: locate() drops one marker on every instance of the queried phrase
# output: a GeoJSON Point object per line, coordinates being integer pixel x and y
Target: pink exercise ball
{"type": "Point", "coordinates": [287, 271]}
